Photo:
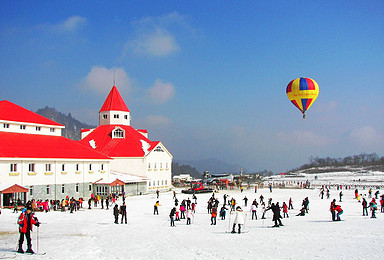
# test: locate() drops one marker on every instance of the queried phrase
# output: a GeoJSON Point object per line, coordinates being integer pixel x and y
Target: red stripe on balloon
{"type": "Point", "coordinates": [289, 87]}
{"type": "Point", "coordinates": [311, 84]}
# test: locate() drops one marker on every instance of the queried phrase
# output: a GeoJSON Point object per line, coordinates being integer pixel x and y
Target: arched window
{"type": "Point", "coordinates": [118, 133]}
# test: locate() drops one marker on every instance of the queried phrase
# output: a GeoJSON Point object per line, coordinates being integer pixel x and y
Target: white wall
{"type": "Point", "coordinates": [29, 128]}
{"type": "Point", "coordinates": [56, 176]}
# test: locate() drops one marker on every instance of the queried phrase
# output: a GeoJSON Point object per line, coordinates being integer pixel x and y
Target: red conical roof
{"type": "Point", "coordinates": [114, 102]}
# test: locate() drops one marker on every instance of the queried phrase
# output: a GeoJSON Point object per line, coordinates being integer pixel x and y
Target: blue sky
{"type": "Point", "coordinates": [207, 78]}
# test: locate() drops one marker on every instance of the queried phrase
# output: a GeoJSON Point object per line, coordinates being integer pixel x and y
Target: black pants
{"type": "Point", "coordinates": [254, 214]}
{"type": "Point", "coordinates": [124, 216]}
{"type": "Point", "coordinates": [365, 211]}
{"type": "Point", "coordinates": [28, 237]}
{"type": "Point", "coordinates": [116, 219]}
{"type": "Point", "coordinates": [155, 211]}
{"type": "Point", "coordinates": [238, 228]}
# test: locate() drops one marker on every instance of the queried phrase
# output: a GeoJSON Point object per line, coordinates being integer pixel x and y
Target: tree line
{"type": "Point", "coordinates": [362, 159]}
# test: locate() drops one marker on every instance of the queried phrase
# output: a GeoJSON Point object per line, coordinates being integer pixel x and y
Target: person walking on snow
{"type": "Point", "coordinates": [290, 204]}
{"type": "Point", "coordinates": [223, 212]}
{"type": "Point", "coordinates": [245, 201]}
{"type": "Point", "coordinates": [239, 220]}
{"type": "Point", "coordinates": [332, 208]}
{"type": "Point", "coordinates": [26, 220]}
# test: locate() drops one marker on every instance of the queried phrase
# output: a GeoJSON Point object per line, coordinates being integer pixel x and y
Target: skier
{"type": "Point", "coordinates": [302, 212]}
{"type": "Point", "coordinates": [332, 208]}
{"type": "Point", "coordinates": [341, 195]}
{"type": "Point", "coordinates": [339, 211]}
{"type": "Point", "coordinates": [305, 204]}
{"type": "Point", "coordinates": [189, 215]}
{"type": "Point", "coordinates": [123, 210]}
{"type": "Point", "coordinates": [223, 212]}
{"type": "Point", "coordinates": [172, 215]}
{"type": "Point", "coordinates": [245, 201]}
{"type": "Point", "coordinates": [213, 216]}
{"type": "Point", "coordinates": [373, 207]}
{"type": "Point", "coordinates": [239, 220]}
{"type": "Point", "coordinates": [365, 207]}
{"type": "Point", "coordinates": [253, 210]}
{"type": "Point", "coordinates": [290, 204]}
{"type": "Point", "coordinates": [107, 202]}
{"type": "Point", "coordinates": [116, 213]}
{"type": "Point", "coordinates": [26, 220]}
{"type": "Point", "coordinates": [285, 210]}
{"type": "Point", "coordinates": [276, 214]}
{"type": "Point", "coordinates": [157, 193]}
{"type": "Point", "coordinates": [155, 208]}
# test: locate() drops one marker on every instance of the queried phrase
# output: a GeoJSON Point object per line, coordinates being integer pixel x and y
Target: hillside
{"type": "Point", "coordinates": [72, 126]}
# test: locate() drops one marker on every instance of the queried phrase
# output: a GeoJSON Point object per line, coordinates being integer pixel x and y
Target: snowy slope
{"type": "Point", "coordinates": [91, 234]}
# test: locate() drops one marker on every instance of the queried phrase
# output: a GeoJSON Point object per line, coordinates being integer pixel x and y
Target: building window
{"type": "Point", "coordinates": [38, 128]}
{"type": "Point", "coordinates": [162, 183]}
{"type": "Point", "coordinates": [90, 166]}
{"type": "Point", "coordinates": [118, 133]}
{"type": "Point", "coordinates": [161, 165]}
{"type": "Point", "coordinates": [102, 167]}
{"type": "Point", "coordinates": [116, 116]}
{"type": "Point", "coordinates": [6, 125]}
{"type": "Point", "coordinates": [48, 167]}
{"type": "Point", "coordinates": [31, 167]}
{"type": "Point", "coordinates": [166, 165]}
{"type": "Point", "coordinates": [47, 189]}
{"type": "Point", "coordinates": [149, 165]}
{"type": "Point", "coordinates": [22, 127]}
{"type": "Point", "coordinates": [105, 116]}
{"type": "Point", "coordinates": [62, 189]}
{"type": "Point", "coordinates": [158, 183]}
{"type": "Point", "coordinates": [166, 182]}
{"type": "Point", "coordinates": [77, 187]}
{"type": "Point", "coordinates": [125, 116]}
{"type": "Point", "coordinates": [155, 165]}
{"type": "Point", "coordinates": [31, 190]}
{"type": "Point", "coordinates": [154, 183]}
{"type": "Point", "coordinates": [13, 167]}
{"type": "Point", "coordinates": [149, 184]}
{"type": "Point", "coordinates": [63, 167]}
{"type": "Point", "coordinates": [77, 167]}
{"type": "Point", "coordinates": [52, 130]}
{"type": "Point", "coordinates": [90, 187]}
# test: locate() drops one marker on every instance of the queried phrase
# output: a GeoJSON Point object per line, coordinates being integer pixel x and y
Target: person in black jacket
{"type": "Point", "coordinates": [172, 216]}
{"type": "Point", "coordinates": [276, 214]}
{"type": "Point", "coordinates": [116, 213]}
{"type": "Point", "coordinates": [123, 210]}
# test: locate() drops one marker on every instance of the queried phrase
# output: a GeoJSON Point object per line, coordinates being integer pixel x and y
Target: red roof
{"type": "Point", "coordinates": [12, 112]}
{"type": "Point", "coordinates": [114, 102]}
{"type": "Point", "coordinates": [16, 145]}
{"type": "Point", "coordinates": [130, 146]}
{"type": "Point", "coordinates": [14, 189]}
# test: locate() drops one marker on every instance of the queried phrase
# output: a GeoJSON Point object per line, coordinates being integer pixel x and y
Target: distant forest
{"type": "Point", "coordinates": [179, 169]}
{"type": "Point", "coordinates": [366, 161]}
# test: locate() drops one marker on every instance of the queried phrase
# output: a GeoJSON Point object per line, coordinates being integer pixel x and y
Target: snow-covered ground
{"type": "Point", "coordinates": [91, 234]}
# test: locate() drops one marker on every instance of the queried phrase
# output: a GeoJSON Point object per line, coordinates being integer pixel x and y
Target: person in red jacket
{"type": "Point", "coordinates": [332, 208]}
{"type": "Point", "coordinates": [26, 220]}
{"type": "Point", "coordinates": [339, 211]}
{"type": "Point", "coordinates": [213, 216]}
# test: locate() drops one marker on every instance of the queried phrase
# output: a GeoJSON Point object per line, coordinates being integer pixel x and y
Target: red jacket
{"type": "Point", "coordinates": [23, 219]}
{"type": "Point", "coordinates": [338, 208]}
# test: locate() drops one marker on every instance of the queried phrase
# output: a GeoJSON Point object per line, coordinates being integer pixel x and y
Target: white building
{"type": "Point", "coordinates": [132, 152]}
{"type": "Point", "coordinates": [33, 154]}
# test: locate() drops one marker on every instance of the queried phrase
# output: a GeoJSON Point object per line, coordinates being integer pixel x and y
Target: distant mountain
{"type": "Point", "coordinates": [214, 166]}
{"type": "Point", "coordinates": [73, 126]}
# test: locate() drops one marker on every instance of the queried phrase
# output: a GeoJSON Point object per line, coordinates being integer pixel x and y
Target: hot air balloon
{"type": "Point", "coordinates": [302, 92]}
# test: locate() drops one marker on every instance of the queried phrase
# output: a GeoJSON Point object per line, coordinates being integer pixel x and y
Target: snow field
{"type": "Point", "coordinates": [91, 234]}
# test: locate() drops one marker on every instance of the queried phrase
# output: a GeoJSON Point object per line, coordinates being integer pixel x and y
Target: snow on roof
{"type": "Point", "coordinates": [134, 144]}
{"type": "Point", "coordinates": [17, 145]}
{"type": "Point", "coordinates": [114, 102]}
{"type": "Point", "coordinates": [12, 112]}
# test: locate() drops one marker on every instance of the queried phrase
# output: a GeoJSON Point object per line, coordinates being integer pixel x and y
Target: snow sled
{"type": "Point", "coordinates": [197, 187]}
